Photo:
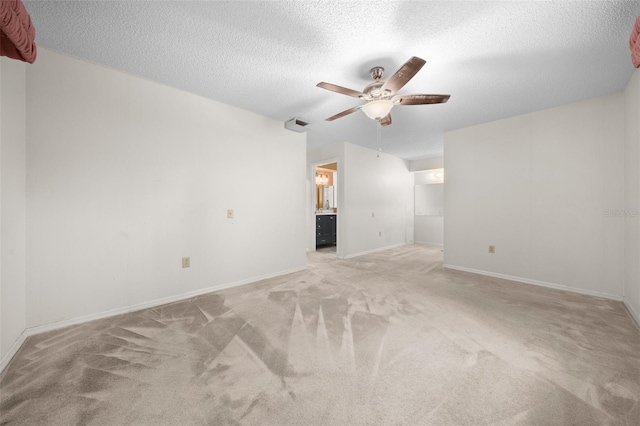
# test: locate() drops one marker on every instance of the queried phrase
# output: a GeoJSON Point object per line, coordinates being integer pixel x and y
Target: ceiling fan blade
{"type": "Point", "coordinates": [343, 113]}
{"type": "Point", "coordinates": [386, 120]}
{"type": "Point", "coordinates": [420, 99]}
{"type": "Point", "coordinates": [403, 75]}
{"type": "Point", "coordinates": [340, 89]}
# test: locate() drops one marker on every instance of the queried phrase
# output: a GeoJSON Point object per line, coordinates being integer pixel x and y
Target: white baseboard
{"type": "Point", "coordinates": [30, 331]}
{"type": "Point", "coordinates": [538, 283]}
{"type": "Point", "coordinates": [13, 350]}
{"type": "Point", "coordinates": [635, 315]}
{"type": "Point", "coordinates": [428, 243]}
{"type": "Point", "coordinates": [362, 253]}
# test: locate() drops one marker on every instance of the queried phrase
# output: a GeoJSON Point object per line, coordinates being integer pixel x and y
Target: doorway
{"type": "Point", "coordinates": [326, 207]}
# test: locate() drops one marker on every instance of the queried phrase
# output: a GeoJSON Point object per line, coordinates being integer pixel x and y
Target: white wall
{"type": "Point", "coordinates": [632, 195]}
{"type": "Point", "coordinates": [428, 229]}
{"type": "Point", "coordinates": [12, 205]}
{"type": "Point", "coordinates": [126, 176]}
{"type": "Point", "coordinates": [434, 162]}
{"type": "Point", "coordinates": [537, 186]}
{"type": "Point", "coordinates": [377, 200]}
{"type": "Point", "coordinates": [367, 183]}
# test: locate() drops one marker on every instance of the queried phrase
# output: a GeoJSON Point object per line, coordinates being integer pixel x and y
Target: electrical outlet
{"type": "Point", "coordinates": [230, 214]}
{"type": "Point", "coordinates": [492, 249]}
{"type": "Point", "coordinates": [186, 262]}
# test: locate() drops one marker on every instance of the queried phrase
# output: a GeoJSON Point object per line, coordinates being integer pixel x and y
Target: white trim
{"type": "Point", "coordinates": [427, 243]}
{"type": "Point", "coordinates": [137, 307]}
{"type": "Point", "coordinates": [13, 350]}
{"type": "Point", "coordinates": [633, 313]}
{"type": "Point", "coordinates": [538, 283]}
{"type": "Point", "coordinates": [362, 253]}
{"type": "Point", "coordinates": [339, 219]}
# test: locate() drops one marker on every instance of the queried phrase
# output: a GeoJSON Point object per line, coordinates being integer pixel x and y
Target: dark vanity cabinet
{"type": "Point", "coordinates": [325, 229]}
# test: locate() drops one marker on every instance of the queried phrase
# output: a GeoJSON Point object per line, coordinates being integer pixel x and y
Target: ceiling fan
{"type": "Point", "coordinates": [381, 95]}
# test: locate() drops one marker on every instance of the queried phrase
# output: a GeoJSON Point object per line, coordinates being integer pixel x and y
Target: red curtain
{"type": "Point", "coordinates": [634, 43]}
{"type": "Point", "coordinates": [17, 34]}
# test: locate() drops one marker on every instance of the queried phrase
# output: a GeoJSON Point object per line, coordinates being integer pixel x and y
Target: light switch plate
{"type": "Point", "coordinates": [230, 214]}
{"type": "Point", "coordinates": [186, 262]}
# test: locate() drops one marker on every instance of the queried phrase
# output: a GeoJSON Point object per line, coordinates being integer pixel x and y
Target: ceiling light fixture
{"type": "Point", "coordinates": [378, 109]}
{"type": "Point", "coordinates": [322, 179]}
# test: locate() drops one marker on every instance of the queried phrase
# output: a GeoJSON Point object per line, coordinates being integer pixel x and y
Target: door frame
{"type": "Point", "coordinates": [312, 204]}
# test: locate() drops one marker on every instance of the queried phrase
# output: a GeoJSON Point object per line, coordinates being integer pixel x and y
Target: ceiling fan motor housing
{"type": "Point", "coordinates": [377, 73]}
{"type": "Point", "coordinates": [372, 91]}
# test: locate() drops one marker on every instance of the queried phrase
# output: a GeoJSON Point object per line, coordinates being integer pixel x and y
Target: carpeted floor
{"type": "Point", "coordinates": [388, 338]}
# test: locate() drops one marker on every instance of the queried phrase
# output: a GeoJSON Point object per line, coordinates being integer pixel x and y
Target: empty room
{"type": "Point", "coordinates": [319, 212]}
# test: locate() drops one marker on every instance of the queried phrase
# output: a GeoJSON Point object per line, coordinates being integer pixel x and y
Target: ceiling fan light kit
{"type": "Point", "coordinates": [377, 109]}
{"type": "Point", "coordinates": [380, 96]}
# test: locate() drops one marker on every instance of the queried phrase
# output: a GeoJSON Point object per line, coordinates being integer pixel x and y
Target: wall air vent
{"type": "Point", "coordinates": [296, 125]}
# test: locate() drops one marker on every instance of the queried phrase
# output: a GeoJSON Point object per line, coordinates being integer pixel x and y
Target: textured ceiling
{"type": "Point", "coordinates": [496, 59]}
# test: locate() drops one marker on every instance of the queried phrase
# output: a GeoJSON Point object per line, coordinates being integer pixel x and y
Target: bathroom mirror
{"type": "Point", "coordinates": [326, 178]}
{"type": "Point", "coordinates": [328, 197]}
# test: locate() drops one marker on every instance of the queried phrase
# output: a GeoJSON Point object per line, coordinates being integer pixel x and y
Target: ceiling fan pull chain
{"type": "Point", "coordinates": [378, 133]}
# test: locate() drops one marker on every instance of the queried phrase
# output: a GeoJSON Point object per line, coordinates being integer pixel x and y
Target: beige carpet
{"type": "Point", "coordinates": [385, 339]}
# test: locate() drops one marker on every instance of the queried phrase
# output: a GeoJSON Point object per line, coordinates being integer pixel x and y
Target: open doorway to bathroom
{"type": "Point", "coordinates": [326, 207]}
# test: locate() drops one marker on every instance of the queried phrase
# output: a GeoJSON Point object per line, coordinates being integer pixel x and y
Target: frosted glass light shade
{"type": "Point", "coordinates": [377, 109]}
